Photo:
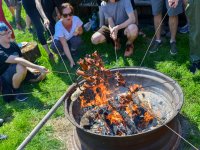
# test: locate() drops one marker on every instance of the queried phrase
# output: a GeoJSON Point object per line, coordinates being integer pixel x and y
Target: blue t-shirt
{"type": "Point", "coordinates": [118, 11]}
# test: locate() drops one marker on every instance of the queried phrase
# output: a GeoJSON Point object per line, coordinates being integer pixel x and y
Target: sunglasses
{"type": "Point", "coordinates": [66, 15]}
{"type": "Point", "coordinates": [7, 32]}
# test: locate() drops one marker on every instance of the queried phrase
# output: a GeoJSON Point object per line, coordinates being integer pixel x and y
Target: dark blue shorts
{"type": "Point", "coordinates": [9, 73]}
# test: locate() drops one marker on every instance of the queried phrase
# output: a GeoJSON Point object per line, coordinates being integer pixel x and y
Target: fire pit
{"type": "Point", "coordinates": [161, 94]}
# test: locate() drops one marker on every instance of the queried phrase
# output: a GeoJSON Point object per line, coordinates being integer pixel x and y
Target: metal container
{"type": "Point", "coordinates": [165, 96]}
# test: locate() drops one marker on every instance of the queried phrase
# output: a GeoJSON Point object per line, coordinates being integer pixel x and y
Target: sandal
{"type": "Point", "coordinates": [129, 50]}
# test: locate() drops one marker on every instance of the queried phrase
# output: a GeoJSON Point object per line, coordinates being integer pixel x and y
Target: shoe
{"type": "Point", "coordinates": [154, 47]}
{"type": "Point", "coordinates": [33, 77]}
{"type": "Point", "coordinates": [184, 29]}
{"type": "Point", "coordinates": [19, 95]}
{"type": "Point", "coordinates": [3, 137]}
{"type": "Point", "coordinates": [1, 121]}
{"type": "Point", "coordinates": [129, 50]}
{"type": "Point", "coordinates": [194, 66]}
{"type": "Point", "coordinates": [173, 49]}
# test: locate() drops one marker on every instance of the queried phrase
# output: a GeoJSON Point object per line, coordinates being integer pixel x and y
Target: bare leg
{"type": "Point", "coordinates": [157, 21]}
{"type": "Point", "coordinates": [97, 38]}
{"type": "Point", "coordinates": [173, 24]}
{"type": "Point", "coordinates": [19, 76]}
{"type": "Point", "coordinates": [131, 32]}
{"type": "Point", "coordinates": [28, 22]}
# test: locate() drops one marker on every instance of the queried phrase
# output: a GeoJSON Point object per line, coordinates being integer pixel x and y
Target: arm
{"type": "Point", "coordinates": [41, 11]}
{"type": "Point", "coordinates": [18, 60]}
{"type": "Point", "coordinates": [67, 51]}
{"type": "Point", "coordinates": [131, 20]}
{"type": "Point", "coordinates": [173, 3]}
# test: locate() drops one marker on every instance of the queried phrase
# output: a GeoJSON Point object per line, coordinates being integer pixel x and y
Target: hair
{"type": "Point", "coordinates": [66, 5]}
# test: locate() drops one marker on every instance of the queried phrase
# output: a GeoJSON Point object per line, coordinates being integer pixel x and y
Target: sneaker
{"type": "Point", "coordinates": [154, 47]}
{"type": "Point", "coordinates": [1, 121]}
{"type": "Point", "coordinates": [19, 95]}
{"type": "Point", "coordinates": [3, 137]}
{"type": "Point", "coordinates": [184, 29]}
{"type": "Point", "coordinates": [173, 49]}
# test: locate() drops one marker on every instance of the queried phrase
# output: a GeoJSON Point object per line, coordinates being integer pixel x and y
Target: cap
{"type": "Point", "coordinates": [3, 27]}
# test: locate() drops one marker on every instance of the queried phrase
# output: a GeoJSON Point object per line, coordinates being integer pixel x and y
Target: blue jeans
{"type": "Point", "coordinates": [74, 43]}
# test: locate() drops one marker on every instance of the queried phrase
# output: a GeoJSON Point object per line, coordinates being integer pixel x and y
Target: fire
{"type": "Point", "coordinates": [120, 115]}
{"type": "Point", "coordinates": [115, 117]}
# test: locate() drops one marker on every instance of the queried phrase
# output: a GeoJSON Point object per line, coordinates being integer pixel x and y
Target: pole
{"type": "Point", "coordinates": [44, 120]}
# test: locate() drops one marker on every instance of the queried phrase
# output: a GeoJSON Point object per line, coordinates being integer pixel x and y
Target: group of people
{"type": "Point", "coordinates": [119, 21]}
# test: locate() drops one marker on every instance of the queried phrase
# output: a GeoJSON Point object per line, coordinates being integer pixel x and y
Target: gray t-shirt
{"type": "Point", "coordinates": [118, 11]}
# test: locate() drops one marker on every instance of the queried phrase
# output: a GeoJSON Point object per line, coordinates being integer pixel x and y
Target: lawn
{"type": "Point", "coordinates": [22, 117]}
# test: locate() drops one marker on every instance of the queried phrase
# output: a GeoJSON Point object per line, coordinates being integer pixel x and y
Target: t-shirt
{"type": "Point", "coordinates": [61, 31]}
{"type": "Point", "coordinates": [118, 11]}
{"type": "Point", "coordinates": [5, 53]}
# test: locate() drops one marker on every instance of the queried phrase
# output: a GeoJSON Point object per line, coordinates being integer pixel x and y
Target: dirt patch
{"type": "Point", "coordinates": [62, 130]}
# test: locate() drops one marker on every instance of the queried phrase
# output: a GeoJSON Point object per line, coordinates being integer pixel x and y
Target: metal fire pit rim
{"type": "Point", "coordinates": [72, 120]}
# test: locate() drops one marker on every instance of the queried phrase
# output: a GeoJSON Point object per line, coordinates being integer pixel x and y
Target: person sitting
{"type": "Point", "coordinates": [121, 21]}
{"type": "Point", "coordinates": [13, 68]}
{"type": "Point", "coordinates": [67, 33]}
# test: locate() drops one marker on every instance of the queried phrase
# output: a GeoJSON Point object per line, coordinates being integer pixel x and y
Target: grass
{"type": "Point", "coordinates": [21, 118]}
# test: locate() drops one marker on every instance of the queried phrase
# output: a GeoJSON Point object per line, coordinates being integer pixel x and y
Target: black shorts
{"type": "Point", "coordinates": [104, 30]}
{"type": "Point", "coordinates": [9, 73]}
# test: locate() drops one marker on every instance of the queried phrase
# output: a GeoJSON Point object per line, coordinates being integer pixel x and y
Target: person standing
{"type": "Point", "coordinates": [173, 13]}
{"type": "Point", "coordinates": [35, 11]}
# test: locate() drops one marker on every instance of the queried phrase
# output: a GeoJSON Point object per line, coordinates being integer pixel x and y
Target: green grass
{"type": "Point", "coordinates": [21, 118]}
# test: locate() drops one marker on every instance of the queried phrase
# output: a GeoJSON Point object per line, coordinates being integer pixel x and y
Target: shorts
{"type": "Point", "coordinates": [157, 6]}
{"type": "Point", "coordinates": [9, 73]}
{"type": "Point", "coordinates": [104, 30]}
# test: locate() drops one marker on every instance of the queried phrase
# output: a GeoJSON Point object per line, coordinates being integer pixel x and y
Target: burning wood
{"type": "Point", "coordinates": [104, 110]}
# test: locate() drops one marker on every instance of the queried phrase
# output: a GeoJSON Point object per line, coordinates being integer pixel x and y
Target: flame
{"type": "Point", "coordinates": [148, 117]}
{"type": "Point", "coordinates": [101, 97]}
{"type": "Point", "coordinates": [115, 117]}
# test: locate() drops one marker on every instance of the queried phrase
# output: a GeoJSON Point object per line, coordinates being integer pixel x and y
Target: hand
{"type": "Point", "coordinates": [173, 3]}
{"type": "Point", "coordinates": [72, 64]}
{"type": "Point", "coordinates": [114, 32]}
{"type": "Point", "coordinates": [46, 23]}
{"type": "Point", "coordinates": [43, 70]}
{"type": "Point", "coordinates": [76, 32]}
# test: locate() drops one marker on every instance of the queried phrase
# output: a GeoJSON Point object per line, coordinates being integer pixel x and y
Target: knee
{"type": "Point", "coordinates": [95, 39]}
{"type": "Point", "coordinates": [133, 30]}
{"type": "Point", "coordinates": [21, 70]}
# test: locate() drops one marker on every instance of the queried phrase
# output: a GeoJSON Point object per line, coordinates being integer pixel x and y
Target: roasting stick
{"type": "Point", "coordinates": [60, 55]}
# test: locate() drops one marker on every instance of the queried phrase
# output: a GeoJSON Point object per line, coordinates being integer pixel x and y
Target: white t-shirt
{"type": "Point", "coordinates": [60, 30]}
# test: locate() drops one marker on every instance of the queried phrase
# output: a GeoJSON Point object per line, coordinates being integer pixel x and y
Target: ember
{"type": "Point", "coordinates": [104, 110]}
